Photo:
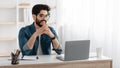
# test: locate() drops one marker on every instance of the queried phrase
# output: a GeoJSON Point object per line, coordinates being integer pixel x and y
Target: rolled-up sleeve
{"type": "Point", "coordinates": [59, 49]}
{"type": "Point", "coordinates": [22, 43]}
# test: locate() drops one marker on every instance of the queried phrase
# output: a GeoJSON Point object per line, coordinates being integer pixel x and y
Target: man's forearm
{"type": "Point", "coordinates": [31, 41]}
{"type": "Point", "coordinates": [55, 43]}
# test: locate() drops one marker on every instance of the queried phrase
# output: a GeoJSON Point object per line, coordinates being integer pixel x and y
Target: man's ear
{"type": "Point", "coordinates": [49, 13]}
{"type": "Point", "coordinates": [34, 16]}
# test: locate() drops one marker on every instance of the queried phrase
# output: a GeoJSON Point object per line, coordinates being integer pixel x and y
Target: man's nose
{"type": "Point", "coordinates": [44, 18]}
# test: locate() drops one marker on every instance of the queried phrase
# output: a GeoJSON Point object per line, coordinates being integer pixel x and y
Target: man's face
{"type": "Point", "coordinates": [42, 18]}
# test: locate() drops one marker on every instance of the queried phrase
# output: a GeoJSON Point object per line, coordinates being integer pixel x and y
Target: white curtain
{"type": "Point", "coordinates": [97, 20]}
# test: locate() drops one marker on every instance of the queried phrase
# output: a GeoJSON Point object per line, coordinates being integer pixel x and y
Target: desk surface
{"type": "Point", "coordinates": [46, 59]}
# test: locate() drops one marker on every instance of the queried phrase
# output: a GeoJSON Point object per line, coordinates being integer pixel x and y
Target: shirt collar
{"type": "Point", "coordinates": [33, 27]}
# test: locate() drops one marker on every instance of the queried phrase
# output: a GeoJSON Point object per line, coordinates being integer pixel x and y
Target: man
{"type": "Point", "coordinates": [39, 36]}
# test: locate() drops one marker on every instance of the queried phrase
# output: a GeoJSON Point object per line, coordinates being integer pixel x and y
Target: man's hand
{"type": "Point", "coordinates": [44, 30]}
{"type": "Point", "coordinates": [48, 32]}
{"type": "Point", "coordinates": [40, 30]}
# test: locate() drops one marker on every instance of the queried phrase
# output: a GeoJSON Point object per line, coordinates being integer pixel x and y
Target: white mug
{"type": "Point", "coordinates": [99, 52]}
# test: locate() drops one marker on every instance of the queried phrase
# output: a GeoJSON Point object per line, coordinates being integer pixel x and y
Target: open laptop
{"type": "Point", "coordinates": [75, 50]}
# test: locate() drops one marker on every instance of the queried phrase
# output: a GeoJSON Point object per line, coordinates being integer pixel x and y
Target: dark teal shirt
{"type": "Point", "coordinates": [24, 35]}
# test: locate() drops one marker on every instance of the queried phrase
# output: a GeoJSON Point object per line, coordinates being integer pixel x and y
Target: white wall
{"type": "Point", "coordinates": [97, 20]}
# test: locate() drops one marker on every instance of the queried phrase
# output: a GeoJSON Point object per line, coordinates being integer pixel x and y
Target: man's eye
{"type": "Point", "coordinates": [41, 15]}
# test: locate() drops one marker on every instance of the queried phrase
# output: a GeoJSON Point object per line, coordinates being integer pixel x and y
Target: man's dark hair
{"type": "Point", "coordinates": [37, 8]}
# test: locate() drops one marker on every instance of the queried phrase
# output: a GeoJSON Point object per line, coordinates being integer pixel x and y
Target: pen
{"type": "Point", "coordinates": [22, 56]}
{"type": "Point", "coordinates": [17, 52]}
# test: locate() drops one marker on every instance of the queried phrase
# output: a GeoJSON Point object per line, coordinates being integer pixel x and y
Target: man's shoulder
{"type": "Point", "coordinates": [27, 28]}
{"type": "Point", "coordinates": [51, 28]}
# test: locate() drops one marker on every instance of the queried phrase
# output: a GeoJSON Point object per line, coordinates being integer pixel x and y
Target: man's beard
{"type": "Point", "coordinates": [38, 22]}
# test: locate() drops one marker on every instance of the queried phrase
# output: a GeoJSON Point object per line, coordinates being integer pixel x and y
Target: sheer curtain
{"type": "Point", "coordinates": [97, 20]}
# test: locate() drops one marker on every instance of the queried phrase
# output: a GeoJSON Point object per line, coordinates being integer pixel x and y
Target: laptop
{"type": "Point", "coordinates": [75, 50]}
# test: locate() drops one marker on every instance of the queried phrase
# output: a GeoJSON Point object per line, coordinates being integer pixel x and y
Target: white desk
{"type": "Point", "coordinates": [50, 61]}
